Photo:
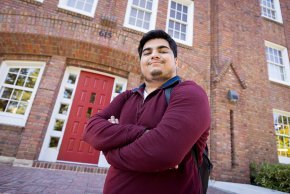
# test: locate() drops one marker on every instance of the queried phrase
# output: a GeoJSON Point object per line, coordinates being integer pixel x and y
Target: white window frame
{"type": "Point", "coordinates": [41, 1]}
{"type": "Point", "coordinates": [282, 159]}
{"type": "Point", "coordinates": [16, 119]}
{"type": "Point", "coordinates": [51, 154]}
{"type": "Point", "coordinates": [152, 21]}
{"type": "Point", "coordinates": [189, 30]}
{"type": "Point", "coordinates": [277, 9]}
{"type": "Point", "coordinates": [285, 60]}
{"type": "Point", "coordinates": [63, 4]}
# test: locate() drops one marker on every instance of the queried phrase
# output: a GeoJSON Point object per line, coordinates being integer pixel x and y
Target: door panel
{"type": "Point", "coordinates": [93, 93]}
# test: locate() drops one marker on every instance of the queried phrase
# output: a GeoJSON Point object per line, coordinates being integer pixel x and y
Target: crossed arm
{"type": "Point", "coordinates": [104, 135]}
{"type": "Point", "coordinates": [163, 147]}
{"type": "Point", "coordinates": [127, 147]}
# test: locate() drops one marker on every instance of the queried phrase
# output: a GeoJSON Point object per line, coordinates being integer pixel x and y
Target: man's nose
{"type": "Point", "coordinates": [155, 54]}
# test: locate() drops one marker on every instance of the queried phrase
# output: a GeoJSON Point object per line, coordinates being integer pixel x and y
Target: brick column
{"type": "Point", "coordinates": [133, 80]}
{"type": "Point", "coordinates": [36, 126]}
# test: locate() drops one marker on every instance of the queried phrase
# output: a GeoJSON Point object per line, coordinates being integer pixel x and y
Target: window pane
{"type": "Point", "coordinates": [21, 80]}
{"type": "Point", "coordinates": [63, 109]}
{"type": "Point", "coordinates": [58, 125]}
{"type": "Point", "coordinates": [53, 142]}
{"type": "Point", "coordinates": [34, 72]}
{"type": "Point", "coordinates": [142, 3]}
{"type": "Point", "coordinates": [67, 93]}
{"type": "Point", "coordinates": [71, 3]}
{"type": "Point", "coordinates": [16, 95]}
{"type": "Point", "coordinates": [135, 2]}
{"type": "Point", "coordinates": [80, 5]}
{"type": "Point", "coordinates": [172, 13]}
{"type": "Point", "coordinates": [173, 5]}
{"type": "Point", "coordinates": [146, 25]}
{"type": "Point", "coordinates": [30, 82]}
{"type": "Point", "coordinates": [14, 70]}
{"type": "Point", "coordinates": [10, 79]}
{"type": "Point", "coordinates": [133, 12]}
{"type": "Point", "coordinates": [179, 7]}
{"type": "Point", "coordinates": [12, 107]}
{"type": "Point", "coordinates": [3, 104]}
{"type": "Point", "coordinates": [118, 88]}
{"type": "Point", "coordinates": [26, 96]}
{"type": "Point", "coordinates": [7, 93]}
{"type": "Point", "coordinates": [24, 71]}
{"type": "Point", "coordinates": [88, 8]}
{"type": "Point", "coordinates": [21, 108]}
{"type": "Point", "coordinates": [71, 79]}
{"type": "Point", "coordinates": [149, 5]}
{"type": "Point", "coordinates": [147, 17]}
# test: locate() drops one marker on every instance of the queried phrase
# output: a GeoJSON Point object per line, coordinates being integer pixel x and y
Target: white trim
{"type": "Point", "coordinates": [152, 21]}
{"type": "Point", "coordinates": [190, 21]}
{"type": "Point", "coordinates": [41, 1]}
{"type": "Point", "coordinates": [63, 4]}
{"type": "Point", "coordinates": [278, 12]}
{"type": "Point", "coordinates": [16, 119]}
{"type": "Point", "coordinates": [50, 154]}
{"type": "Point", "coordinates": [286, 64]}
{"type": "Point", "coordinates": [282, 159]}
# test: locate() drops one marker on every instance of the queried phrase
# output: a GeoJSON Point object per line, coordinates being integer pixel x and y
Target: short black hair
{"type": "Point", "coordinates": [154, 34]}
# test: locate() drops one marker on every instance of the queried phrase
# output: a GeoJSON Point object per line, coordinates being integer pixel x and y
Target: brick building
{"type": "Point", "coordinates": [63, 60]}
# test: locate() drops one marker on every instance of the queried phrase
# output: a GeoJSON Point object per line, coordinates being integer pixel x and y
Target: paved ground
{"type": "Point", "coordinates": [31, 180]}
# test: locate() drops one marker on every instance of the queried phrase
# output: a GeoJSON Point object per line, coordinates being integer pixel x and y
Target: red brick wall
{"type": "Point", "coordinates": [227, 53]}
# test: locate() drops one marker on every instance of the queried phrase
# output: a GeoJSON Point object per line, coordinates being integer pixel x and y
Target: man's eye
{"type": "Point", "coordinates": [163, 51]}
{"type": "Point", "coordinates": [146, 53]}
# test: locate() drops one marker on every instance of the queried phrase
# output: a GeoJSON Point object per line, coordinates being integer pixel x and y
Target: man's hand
{"type": "Point", "coordinates": [113, 120]}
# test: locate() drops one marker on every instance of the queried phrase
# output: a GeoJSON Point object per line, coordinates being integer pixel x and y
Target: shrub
{"type": "Point", "coordinates": [272, 176]}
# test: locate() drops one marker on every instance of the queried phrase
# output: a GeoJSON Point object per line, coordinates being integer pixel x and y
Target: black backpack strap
{"type": "Point", "coordinates": [167, 94]}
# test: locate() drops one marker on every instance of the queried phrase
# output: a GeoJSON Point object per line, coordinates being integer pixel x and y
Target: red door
{"type": "Point", "coordinates": [93, 93]}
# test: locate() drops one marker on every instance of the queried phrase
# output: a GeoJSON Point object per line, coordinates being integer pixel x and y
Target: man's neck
{"type": "Point", "coordinates": [151, 86]}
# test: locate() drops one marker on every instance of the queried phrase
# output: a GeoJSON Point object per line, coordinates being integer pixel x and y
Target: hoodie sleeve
{"type": "Point", "coordinates": [186, 119]}
{"type": "Point", "coordinates": [103, 135]}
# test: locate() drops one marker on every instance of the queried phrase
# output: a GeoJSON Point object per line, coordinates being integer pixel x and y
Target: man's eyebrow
{"type": "Point", "coordinates": [159, 47]}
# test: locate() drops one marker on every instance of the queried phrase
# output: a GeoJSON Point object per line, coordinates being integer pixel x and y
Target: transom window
{"type": "Point", "coordinates": [180, 21]}
{"type": "Point", "coordinates": [278, 64]}
{"type": "Point", "coordinates": [271, 9]}
{"type": "Point", "coordinates": [281, 125]}
{"type": "Point", "coordinates": [85, 7]}
{"type": "Point", "coordinates": [141, 14]}
{"type": "Point", "coordinates": [19, 82]}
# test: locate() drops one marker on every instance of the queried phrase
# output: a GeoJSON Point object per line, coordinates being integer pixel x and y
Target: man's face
{"type": "Point", "coordinates": [157, 61]}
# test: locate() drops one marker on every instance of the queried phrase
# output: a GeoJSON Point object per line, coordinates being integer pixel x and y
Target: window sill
{"type": "Point", "coordinates": [284, 160]}
{"type": "Point", "coordinates": [280, 83]}
{"type": "Point", "coordinates": [272, 20]}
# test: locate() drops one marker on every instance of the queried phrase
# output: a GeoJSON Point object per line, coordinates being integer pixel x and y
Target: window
{"type": "Point", "coordinates": [85, 7]}
{"type": "Point", "coordinates": [281, 125]}
{"type": "Point", "coordinates": [180, 21]}
{"type": "Point", "coordinates": [18, 85]}
{"type": "Point", "coordinates": [271, 9]}
{"type": "Point", "coordinates": [141, 15]}
{"type": "Point", "coordinates": [278, 64]}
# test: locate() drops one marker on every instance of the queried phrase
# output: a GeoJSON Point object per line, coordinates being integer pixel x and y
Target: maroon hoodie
{"type": "Point", "coordinates": [144, 162]}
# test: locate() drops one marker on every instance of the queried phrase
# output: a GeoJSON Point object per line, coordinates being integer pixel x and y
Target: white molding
{"type": "Point", "coordinates": [284, 160]}
{"type": "Point", "coordinates": [16, 119]}
{"type": "Point", "coordinates": [63, 4]}
{"type": "Point", "coordinates": [50, 154]}
{"type": "Point", "coordinates": [278, 12]}
{"type": "Point", "coordinates": [152, 23]}
{"type": "Point", "coordinates": [285, 58]}
{"type": "Point", "coordinates": [190, 21]}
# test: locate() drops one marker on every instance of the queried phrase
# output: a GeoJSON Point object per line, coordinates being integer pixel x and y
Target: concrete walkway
{"type": "Point", "coordinates": [24, 180]}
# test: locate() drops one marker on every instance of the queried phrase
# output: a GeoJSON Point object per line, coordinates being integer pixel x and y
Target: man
{"type": "Point", "coordinates": [146, 140]}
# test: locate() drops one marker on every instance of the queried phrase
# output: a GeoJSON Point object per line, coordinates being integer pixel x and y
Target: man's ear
{"type": "Point", "coordinates": [176, 62]}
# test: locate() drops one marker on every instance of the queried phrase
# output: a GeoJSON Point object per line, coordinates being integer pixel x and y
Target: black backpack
{"type": "Point", "coordinates": [206, 166]}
